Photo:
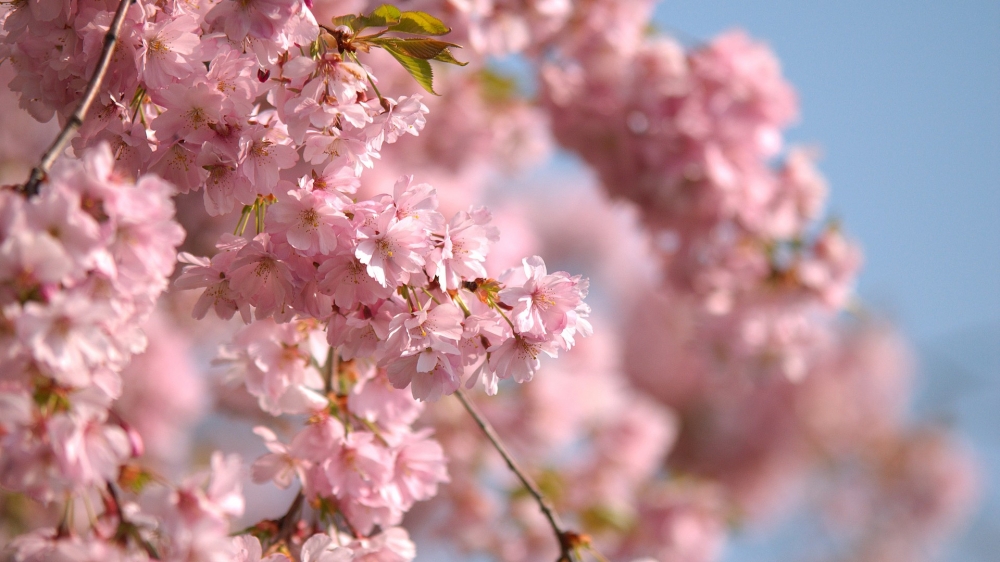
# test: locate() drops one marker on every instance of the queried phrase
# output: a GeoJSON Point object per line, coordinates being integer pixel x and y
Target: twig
{"type": "Point", "coordinates": [127, 529]}
{"type": "Point", "coordinates": [90, 94]}
{"type": "Point", "coordinates": [288, 521]}
{"type": "Point", "coordinates": [567, 539]}
{"type": "Point", "coordinates": [329, 368]}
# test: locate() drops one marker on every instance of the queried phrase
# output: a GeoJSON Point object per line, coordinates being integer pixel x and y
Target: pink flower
{"type": "Point", "coordinates": [346, 278]}
{"type": "Point", "coordinates": [417, 200]}
{"type": "Point", "coordinates": [279, 465]}
{"type": "Point", "coordinates": [407, 115]}
{"type": "Point", "coordinates": [248, 549]}
{"type": "Point", "coordinates": [262, 19]}
{"type": "Point", "coordinates": [390, 545]}
{"type": "Point", "coordinates": [29, 260]}
{"type": "Point", "coordinates": [311, 221]}
{"type": "Point", "coordinates": [438, 328]}
{"type": "Point", "coordinates": [546, 305]}
{"type": "Point", "coordinates": [263, 153]}
{"type": "Point", "coordinates": [392, 248]}
{"type": "Point", "coordinates": [89, 451]}
{"type": "Point", "coordinates": [178, 164]}
{"type": "Point", "coordinates": [420, 467]}
{"type": "Point", "coordinates": [215, 494]}
{"type": "Point", "coordinates": [261, 278]}
{"type": "Point", "coordinates": [357, 465]}
{"type": "Point", "coordinates": [66, 336]}
{"type": "Point", "coordinates": [165, 56]}
{"type": "Point", "coordinates": [517, 357]}
{"type": "Point", "coordinates": [225, 186]}
{"type": "Point", "coordinates": [213, 276]}
{"type": "Point", "coordinates": [374, 399]}
{"type": "Point", "coordinates": [430, 374]}
{"type": "Point", "coordinates": [321, 548]}
{"type": "Point", "coordinates": [58, 212]}
{"type": "Point", "coordinates": [340, 148]}
{"type": "Point", "coordinates": [465, 243]}
{"type": "Point", "coordinates": [233, 73]}
{"type": "Point", "coordinates": [190, 110]}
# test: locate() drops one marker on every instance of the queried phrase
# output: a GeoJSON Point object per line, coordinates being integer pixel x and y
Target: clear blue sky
{"type": "Point", "coordinates": [903, 97]}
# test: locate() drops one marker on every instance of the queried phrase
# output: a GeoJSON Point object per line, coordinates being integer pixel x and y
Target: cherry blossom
{"type": "Point", "coordinates": [370, 287]}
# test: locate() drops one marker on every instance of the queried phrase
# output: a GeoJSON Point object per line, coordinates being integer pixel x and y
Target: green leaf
{"type": "Point", "coordinates": [420, 23]}
{"type": "Point", "coordinates": [418, 68]}
{"type": "Point", "coordinates": [383, 16]}
{"type": "Point", "coordinates": [344, 20]}
{"type": "Point", "coordinates": [425, 49]}
{"type": "Point", "coordinates": [446, 56]}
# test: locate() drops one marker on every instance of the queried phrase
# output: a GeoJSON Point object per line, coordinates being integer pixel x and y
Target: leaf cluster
{"type": "Point", "coordinates": [408, 36]}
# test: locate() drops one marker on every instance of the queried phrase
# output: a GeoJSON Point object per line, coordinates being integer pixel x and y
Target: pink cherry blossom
{"type": "Point", "coordinates": [311, 220]}
{"type": "Point", "coordinates": [167, 49]}
{"type": "Point", "coordinates": [391, 248]}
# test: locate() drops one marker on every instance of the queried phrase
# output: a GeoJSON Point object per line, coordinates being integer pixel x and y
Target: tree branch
{"type": "Point", "coordinates": [90, 94]}
{"type": "Point", "coordinates": [126, 529]}
{"type": "Point", "coordinates": [568, 540]}
{"type": "Point", "coordinates": [288, 521]}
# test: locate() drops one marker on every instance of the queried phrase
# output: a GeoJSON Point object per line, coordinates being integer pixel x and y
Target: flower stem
{"type": "Point", "coordinates": [76, 119]}
{"type": "Point", "coordinates": [126, 529]}
{"type": "Point", "coordinates": [564, 537]}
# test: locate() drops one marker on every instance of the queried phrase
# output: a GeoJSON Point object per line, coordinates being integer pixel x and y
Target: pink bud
{"type": "Point", "coordinates": [134, 440]}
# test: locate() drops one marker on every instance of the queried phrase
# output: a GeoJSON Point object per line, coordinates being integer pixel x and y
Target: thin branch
{"type": "Point", "coordinates": [90, 94]}
{"type": "Point", "coordinates": [329, 368]}
{"type": "Point", "coordinates": [127, 529]}
{"type": "Point", "coordinates": [288, 521]}
{"type": "Point", "coordinates": [567, 539]}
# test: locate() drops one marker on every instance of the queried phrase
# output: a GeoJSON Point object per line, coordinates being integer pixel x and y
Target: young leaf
{"type": "Point", "coordinates": [349, 21]}
{"type": "Point", "coordinates": [425, 49]}
{"type": "Point", "coordinates": [418, 68]}
{"type": "Point", "coordinates": [420, 23]}
{"type": "Point", "coordinates": [446, 56]}
{"type": "Point", "coordinates": [383, 16]}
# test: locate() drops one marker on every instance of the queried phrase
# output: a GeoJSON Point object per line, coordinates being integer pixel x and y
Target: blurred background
{"type": "Point", "coordinates": [903, 99]}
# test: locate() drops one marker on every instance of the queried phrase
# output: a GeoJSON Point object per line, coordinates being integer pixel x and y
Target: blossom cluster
{"type": "Point", "coordinates": [361, 310]}
{"type": "Point", "coordinates": [84, 263]}
{"type": "Point", "coordinates": [196, 93]}
{"type": "Point", "coordinates": [262, 109]}
{"type": "Point", "coordinates": [182, 95]}
{"type": "Point", "coordinates": [504, 27]}
{"type": "Point", "coordinates": [189, 521]}
{"type": "Point", "coordinates": [689, 136]}
{"type": "Point", "coordinates": [392, 280]}
{"type": "Point", "coordinates": [82, 266]}
{"type": "Point", "coordinates": [749, 287]}
{"type": "Point", "coordinates": [358, 457]}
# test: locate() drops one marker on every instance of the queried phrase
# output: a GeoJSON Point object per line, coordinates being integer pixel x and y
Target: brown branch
{"type": "Point", "coordinates": [90, 94]}
{"type": "Point", "coordinates": [288, 521]}
{"type": "Point", "coordinates": [568, 540]}
{"type": "Point", "coordinates": [126, 529]}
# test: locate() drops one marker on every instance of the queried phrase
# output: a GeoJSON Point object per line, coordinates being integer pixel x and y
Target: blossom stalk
{"type": "Point", "coordinates": [75, 121]}
{"type": "Point", "coordinates": [568, 540]}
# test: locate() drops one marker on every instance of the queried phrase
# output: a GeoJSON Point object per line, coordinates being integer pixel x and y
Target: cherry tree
{"type": "Point", "coordinates": [338, 271]}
